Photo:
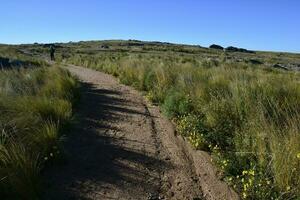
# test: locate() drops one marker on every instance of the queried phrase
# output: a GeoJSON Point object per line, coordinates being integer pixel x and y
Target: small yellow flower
{"type": "Point", "coordinates": [288, 188]}
{"type": "Point", "coordinates": [251, 172]}
{"type": "Point", "coordinates": [230, 179]}
{"type": "Point", "coordinates": [250, 181]}
{"type": "Point", "coordinates": [245, 172]}
{"type": "Point", "coordinates": [244, 195]}
{"type": "Point", "coordinates": [298, 155]}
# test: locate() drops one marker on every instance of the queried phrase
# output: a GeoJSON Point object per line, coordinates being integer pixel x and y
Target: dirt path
{"type": "Point", "coordinates": [122, 148]}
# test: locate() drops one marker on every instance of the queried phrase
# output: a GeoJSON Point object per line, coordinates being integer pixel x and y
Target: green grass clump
{"type": "Point", "coordinates": [35, 106]}
{"type": "Point", "coordinates": [247, 116]}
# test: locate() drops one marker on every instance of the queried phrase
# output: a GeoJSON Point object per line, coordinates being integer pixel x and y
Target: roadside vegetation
{"type": "Point", "coordinates": [35, 109]}
{"type": "Point", "coordinates": [247, 115]}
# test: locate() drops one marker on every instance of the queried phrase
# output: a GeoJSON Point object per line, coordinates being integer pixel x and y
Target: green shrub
{"type": "Point", "coordinates": [176, 104]}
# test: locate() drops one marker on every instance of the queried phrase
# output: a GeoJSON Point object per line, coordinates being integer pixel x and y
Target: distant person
{"type": "Point", "coordinates": [52, 51]}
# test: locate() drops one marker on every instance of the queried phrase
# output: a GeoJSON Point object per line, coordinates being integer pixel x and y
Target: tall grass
{"type": "Point", "coordinates": [248, 117]}
{"type": "Point", "coordinates": [35, 105]}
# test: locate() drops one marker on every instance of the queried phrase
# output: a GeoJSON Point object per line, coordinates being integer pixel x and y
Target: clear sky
{"type": "Point", "coordinates": [253, 24]}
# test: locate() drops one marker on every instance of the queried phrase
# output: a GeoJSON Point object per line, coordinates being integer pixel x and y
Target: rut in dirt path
{"type": "Point", "coordinates": [123, 148]}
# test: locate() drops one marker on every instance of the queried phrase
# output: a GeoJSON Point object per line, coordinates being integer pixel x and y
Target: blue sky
{"type": "Point", "coordinates": [253, 24]}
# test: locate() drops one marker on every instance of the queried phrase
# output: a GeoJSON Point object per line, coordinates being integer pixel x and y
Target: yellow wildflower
{"type": "Point", "coordinates": [250, 182]}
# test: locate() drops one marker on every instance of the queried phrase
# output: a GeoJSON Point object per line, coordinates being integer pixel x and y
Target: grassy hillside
{"type": "Point", "coordinates": [241, 107]}
{"type": "Point", "coordinates": [35, 107]}
{"type": "Point", "coordinates": [135, 47]}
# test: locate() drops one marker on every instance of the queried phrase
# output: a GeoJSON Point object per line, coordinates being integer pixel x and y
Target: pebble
{"type": "Point", "coordinates": [167, 158]}
{"type": "Point", "coordinates": [153, 196]}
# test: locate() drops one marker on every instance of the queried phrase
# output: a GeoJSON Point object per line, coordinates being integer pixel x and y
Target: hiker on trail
{"type": "Point", "coordinates": [52, 51]}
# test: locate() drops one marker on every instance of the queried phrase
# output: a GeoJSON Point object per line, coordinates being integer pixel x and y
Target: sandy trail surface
{"type": "Point", "coordinates": [122, 147]}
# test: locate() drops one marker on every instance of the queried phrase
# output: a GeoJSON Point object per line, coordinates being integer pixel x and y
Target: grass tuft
{"type": "Point", "coordinates": [35, 106]}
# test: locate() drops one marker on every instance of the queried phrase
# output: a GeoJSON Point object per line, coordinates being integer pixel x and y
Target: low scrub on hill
{"type": "Point", "coordinates": [246, 116]}
{"type": "Point", "coordinates": [35, 107]}
{"type": "Point", "coordinates": [13, 57]}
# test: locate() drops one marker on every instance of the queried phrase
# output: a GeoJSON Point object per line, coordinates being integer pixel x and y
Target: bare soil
{"type": "Point", "coordinates": [123, 148]}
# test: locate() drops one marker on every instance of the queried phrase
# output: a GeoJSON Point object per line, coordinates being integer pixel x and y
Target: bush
{"type": "Point", "coordinates": [176, 104]}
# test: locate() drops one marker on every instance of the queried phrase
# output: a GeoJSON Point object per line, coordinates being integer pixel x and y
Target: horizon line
{"type": "Point", "coordinates": [173, 43]}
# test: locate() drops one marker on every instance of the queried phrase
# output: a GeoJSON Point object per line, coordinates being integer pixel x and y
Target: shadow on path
{"type": "Point", "coordinates": [97, 160]}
